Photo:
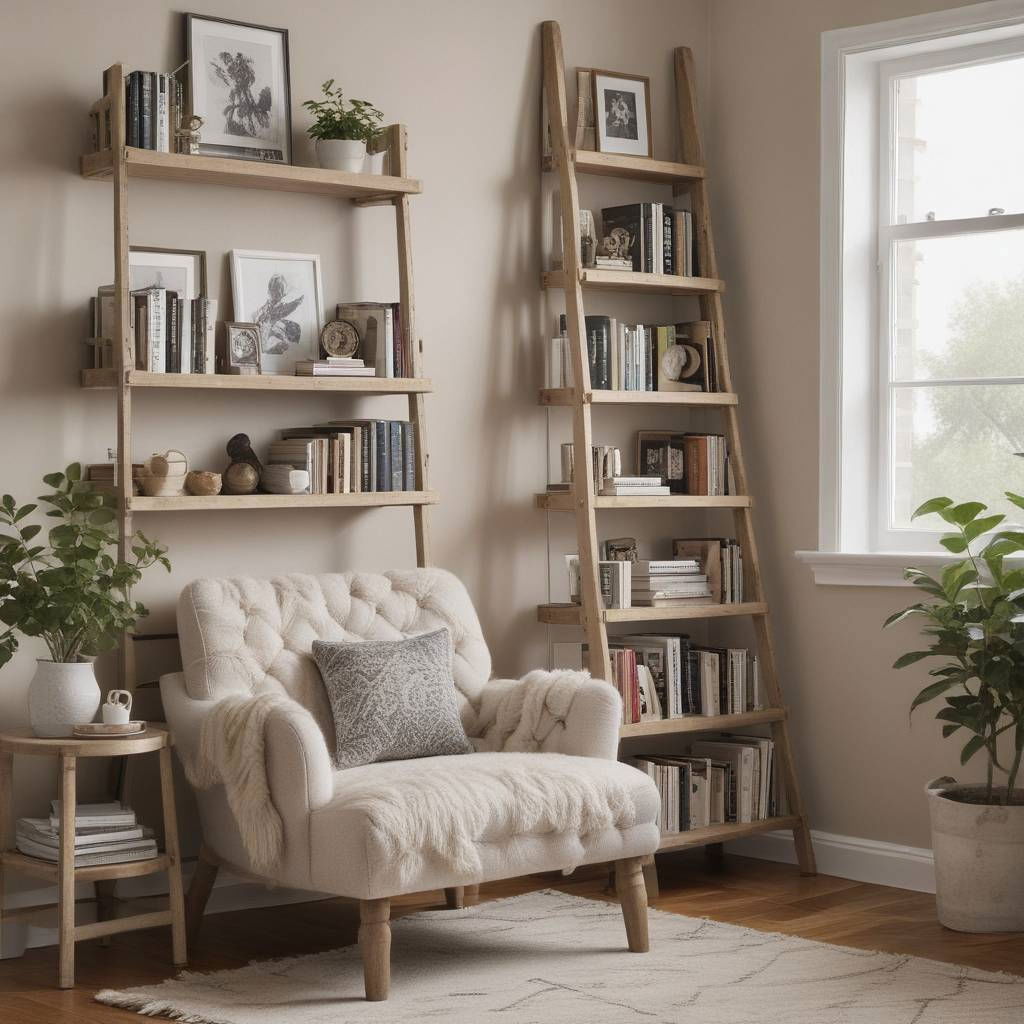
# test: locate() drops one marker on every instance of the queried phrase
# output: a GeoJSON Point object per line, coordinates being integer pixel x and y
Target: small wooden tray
{"type": "Point", "coordinates": [103, 731]}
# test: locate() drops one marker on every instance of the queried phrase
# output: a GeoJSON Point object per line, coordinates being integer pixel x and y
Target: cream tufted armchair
{"type": "Point", "coordinates": [250, 637]}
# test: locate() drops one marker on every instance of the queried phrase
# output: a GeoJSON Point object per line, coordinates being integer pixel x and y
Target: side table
{"type": "Point", "coordinates": [68, 751]}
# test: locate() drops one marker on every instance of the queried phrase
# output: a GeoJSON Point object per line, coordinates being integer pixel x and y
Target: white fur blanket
{"type": "Point", "coordinates": [513, 715]}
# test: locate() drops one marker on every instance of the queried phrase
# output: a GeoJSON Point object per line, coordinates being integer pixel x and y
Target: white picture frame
{"type": "Point", "coordinates": [283, 293]}
{"type": "Point", "coordinates": [239, 85]}
{"type": "Point", "coordinates": [622, 113]}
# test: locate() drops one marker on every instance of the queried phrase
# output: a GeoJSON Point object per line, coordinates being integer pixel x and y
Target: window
{"type": "Point", "coordinates": [922, 279]}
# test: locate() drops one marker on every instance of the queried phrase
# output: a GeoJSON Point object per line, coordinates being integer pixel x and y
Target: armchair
{"type": "Point", "coordinates": [368, 833]}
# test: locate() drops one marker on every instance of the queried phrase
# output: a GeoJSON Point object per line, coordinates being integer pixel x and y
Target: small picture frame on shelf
{"type": "Point", "coordinates": [622, 113]}
{"type": "Point", "coordinates": [242, 347]}
{"type": "Point", "coordinates": [239, 85]}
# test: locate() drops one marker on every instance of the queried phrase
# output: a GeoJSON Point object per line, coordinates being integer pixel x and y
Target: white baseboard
{"type": "Point", "coordinates": [862, 860]}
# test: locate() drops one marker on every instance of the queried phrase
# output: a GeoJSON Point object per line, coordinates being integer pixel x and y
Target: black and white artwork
{"type": "Point", "coordinates": [178, 270]}
{"type": "Point", "coordinates": [243, 345]}
{"type": "Point", "coordinates": [282, 294]}
{"type": "Point", "coordinates": [622, 106]}
{"type": "Point", "coordinates": [239, 82]}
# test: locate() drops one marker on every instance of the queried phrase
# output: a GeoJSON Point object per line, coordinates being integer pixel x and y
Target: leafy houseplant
{"type": "Point", "coordinates": [974, 623]}
{"type": "Point", "coordinates": [71, 592]}
{"type": "Point", "coordinates": [342, 130]}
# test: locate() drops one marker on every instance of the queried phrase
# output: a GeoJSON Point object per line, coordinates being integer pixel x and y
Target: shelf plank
{"type": "Point", "coordinates": [638, 168]}
{"type": "Point", "coordinates": [259, 382]}
{"type": "Point", "coordinates": [234, 502]}
{"type": "Point", "coordinates": [39, 868]}
{"type": "Point", "coordinates": [631, 281]}
{"type": "Point", "coordinates": [702, 723]}
{"type": "Point", "coordinates": [563, 501]}
{"type": "Point", "coordinates": [723, 833]}
{"type": "Point", "coordinates": [567, 396]}
{"type": "Point", "coordinates": [569, 614]}
{"type": "Point", "coordinates": [210, 170]}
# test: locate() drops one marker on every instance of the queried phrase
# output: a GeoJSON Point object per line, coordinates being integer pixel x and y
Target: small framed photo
{"type": "Point", "coordinates": [239, 86]}
{"type": "Point", "coordinates": [282, 294]}
{"type": "Point", "coordinates": [622, 113]}
{"type": "Point", "coordinates": [178, 270]}
{"type": "Point", "coordinates": [242, 344]}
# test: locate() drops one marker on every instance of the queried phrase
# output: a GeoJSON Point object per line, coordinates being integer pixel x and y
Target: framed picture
{"type": "Point", "coordinates": [178, 270]}
{"type": "Point", "coordinates": [282, 293]}
{"type": "Point", "coordinates": [622, 113]}
{"type": "Point", "coordinates": [242, 344]}
{"type": "Point", "coordinates": [238, 83]}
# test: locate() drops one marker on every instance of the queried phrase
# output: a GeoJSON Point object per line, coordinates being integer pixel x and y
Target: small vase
{"type": "Point", "coordinates": [341, 154]}
{"type": "Point", "coordinates": [374, 163]}
{"type": "Point", "coordinates": [61, 696]}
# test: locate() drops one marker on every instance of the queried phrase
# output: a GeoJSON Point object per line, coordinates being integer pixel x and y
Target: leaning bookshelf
{"type": "Point", "coordinates": [590, 615]}
{"type": "Point", "coordinates": [119, 164]}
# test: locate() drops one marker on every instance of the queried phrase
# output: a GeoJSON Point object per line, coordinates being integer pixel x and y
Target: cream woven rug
{"type": "Point", "coordinates": [549, 958]}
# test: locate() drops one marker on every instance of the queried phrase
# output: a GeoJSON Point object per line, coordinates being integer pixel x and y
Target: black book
{"type": "Point", "coordinates": [629, 219]}
{"type": "Point", "coordinates": [668, 239]}
{"type": "Point", "coordinates": [133, 86]}
{"type": "Point", "coordinates": [146, 109]}
{"type": "Point", "coordinates": [383, 451]}
{"type": "Point", "coordinates": [395, 462]}
{"type": "Point", "coordinates": [408, 457]}
{"type": "Point", "coordinates": [599, 331]}
{"type": "Point", "coordinates": [172, 346]}
{"type": "Point", "coordinates": [647, 265]}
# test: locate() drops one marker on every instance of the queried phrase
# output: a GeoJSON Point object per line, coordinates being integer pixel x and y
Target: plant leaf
{"type": "Point", "coordinates": [971, 747]}
{"type": "Point", "coordinates": [933, 505]}
{"type": "Point", "coordinates": [908, 659]}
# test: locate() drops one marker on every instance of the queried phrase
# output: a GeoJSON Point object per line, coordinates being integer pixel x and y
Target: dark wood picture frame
{"type": "Point", "coordinates": [230, 365]}
{"type": "Point", "coordinates": [598, 106]}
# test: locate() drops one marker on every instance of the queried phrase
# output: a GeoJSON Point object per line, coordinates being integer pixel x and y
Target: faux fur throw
{"type": "Point", "coordinates": [521, 714]}
{"type": "Point", "coordinates": [232, 751]}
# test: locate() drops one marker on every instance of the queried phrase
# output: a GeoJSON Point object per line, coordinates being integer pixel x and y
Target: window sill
{"type": "Point", "coordinates": [869, 569]}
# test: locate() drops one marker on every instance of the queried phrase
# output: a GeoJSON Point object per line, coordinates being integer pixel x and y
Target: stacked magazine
{"type": "Point", "coordinates": [105, 833]}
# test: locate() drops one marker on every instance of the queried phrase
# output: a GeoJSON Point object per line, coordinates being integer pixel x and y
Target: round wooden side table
{"type": "Point", "coordinates": [68, 751]}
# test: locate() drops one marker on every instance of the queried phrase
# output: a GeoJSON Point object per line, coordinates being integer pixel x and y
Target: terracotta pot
{"type": "Point", "coordinates": [979, 850]}
{"type": "Point", "coordinates": [61, 696]}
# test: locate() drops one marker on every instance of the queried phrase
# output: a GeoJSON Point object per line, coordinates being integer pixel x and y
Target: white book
{"type": "Point", "coordinates": [142, 851]}
{"type": "Point", "coordinates": [613, 491]}
{"type": "Point", "coordinates": [95, 815]}
{"type": "Point", "coordinates": [40, 831]}
{"type": "Point", "coordinates": [156, 329]}
{"type": "Point", "coordinates": [742, 760]}
{"type": "Point", "coordinates": [210, 330]}
{"type": "Point", "coordinates": [163, 114]}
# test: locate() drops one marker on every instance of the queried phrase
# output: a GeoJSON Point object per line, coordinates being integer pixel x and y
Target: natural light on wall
{"type": "Point", "coordinates": [922, 282]}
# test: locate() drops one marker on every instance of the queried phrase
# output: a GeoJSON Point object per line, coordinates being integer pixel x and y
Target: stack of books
{"type": "Point", "coordinates": [616, 585]}
{"type": "Point", "coordinates": [721, 560]}
{"type": "Point", "coordinates": [669, 583]}
{"type": "Point", "coordinates": [659, 239]}
{"type": "Point", "coordinates": [606, 462]}
{"type": "Point", "coordinates": [104, 834]}
{"type": "Point", "coordinates": [334, 366]}
{"type": "Point", "coordinates": [688, 463]}
{"type": "Point", "coordinates": [633, 486]}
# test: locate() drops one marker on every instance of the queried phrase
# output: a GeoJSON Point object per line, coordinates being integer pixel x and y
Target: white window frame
{"type": "Point", "coordinates": [857, 64]}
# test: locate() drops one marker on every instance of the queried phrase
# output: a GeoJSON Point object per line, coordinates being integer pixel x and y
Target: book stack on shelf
{"type": "Point", "coordinates": [668, 583]}
{"type": "Point", "coordinates": [104, 834]}
{"type": "Point", "coordinates": [153, 112]}
{"type": "Point", "coordinates": [649, 238]}
{"type": "Point", "coordinates": [350, 456]}
{"type": "Point", "coordinates": [689, 463]}
{"type": "Point", "coordinates": [721, 560]}
{"type": "Point", "coordinates": [334, 366]}
{"type": "Point", "coordinates": [170, 334]}
{"type": "Point", "coordinates": [638, 357]}
{"type": "Point", "coordinates": [382, 344]}
{"type": "Point", "coordinates": [606, 463]}
{"type": "Point", "coordinates": [726, 778]}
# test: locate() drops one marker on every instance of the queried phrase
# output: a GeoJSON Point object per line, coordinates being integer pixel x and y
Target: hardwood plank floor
{"type": "Point", "coordinates": [756, 894]}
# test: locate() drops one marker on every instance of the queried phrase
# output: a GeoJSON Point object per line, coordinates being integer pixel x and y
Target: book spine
{"type": "Point", "coordinates": [210, 332]}
{"type": "Point", "coordinates": [146, 110]}
{"type": "Point", "coordinates": [382, 449]}
{"type": "Point", "coordinates": [365, 481]}
{"type": "Point", "coordinates": [173, 322]}
{"type": "Point", "coordinates": [409, 457]}
{"type": "Point", "coordinates": [668, 242]}
{"type": "Point", "coordinates": [132, 117]}
{"type": "Point", "coordinates": [156, 338]}
{"type": "Point", "coordinates": [648, 262]}
{"type": "Point", "coordinates": [395, 461]}
{"type": "Point", "coordinates": [389, 342]}
{"type": "Point", "coordinates": [162, 116]}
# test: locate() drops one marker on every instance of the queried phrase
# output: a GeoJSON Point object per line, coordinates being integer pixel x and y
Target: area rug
{"type": "Point", "coordinates": [549, 958]}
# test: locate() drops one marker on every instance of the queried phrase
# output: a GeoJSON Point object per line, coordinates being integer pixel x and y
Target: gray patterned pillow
{"type": "Point", "coordinates": [392, 699]}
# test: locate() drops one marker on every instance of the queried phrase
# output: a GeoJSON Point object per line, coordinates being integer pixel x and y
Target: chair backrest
{"type": "Point", "coordinates": [255, 635]}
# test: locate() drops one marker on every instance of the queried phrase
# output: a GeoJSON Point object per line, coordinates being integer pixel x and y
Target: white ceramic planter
{"type": "Point", "coordinates": [62, 696]}
{"type": "Point", "coordinates": [341, 154]}
{"type": "Point", "coordinates": [979, 850]}
{"type": "Point", "coordinates": [374, 163]}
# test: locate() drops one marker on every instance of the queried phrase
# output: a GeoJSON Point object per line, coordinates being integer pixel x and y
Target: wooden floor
{"type": "Point", "coordinates": [758, 894]}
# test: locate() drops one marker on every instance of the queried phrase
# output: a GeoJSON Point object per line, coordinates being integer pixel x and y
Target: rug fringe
{"type": "Point", "coordinates": [152, 1007]}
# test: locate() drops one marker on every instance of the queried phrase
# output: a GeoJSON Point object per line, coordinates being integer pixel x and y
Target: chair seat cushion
{"type": "Point", "coordinates": [409, 826]}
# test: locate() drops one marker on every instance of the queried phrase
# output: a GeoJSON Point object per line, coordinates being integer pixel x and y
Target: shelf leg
{"type": "Point", "coordinates": [176, 893]}
{"type": "Point", "coordinates": [6, 813]}
{"type": "Point", "coordinates": [66, 874]}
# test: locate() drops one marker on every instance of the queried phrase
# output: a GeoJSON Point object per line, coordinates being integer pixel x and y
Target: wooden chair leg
{"type": "Point", "coordinates": [455, 897]}
{"type": "Point", "coordinates": [629, 883]}
{"type": "Point", "coordinates": [199, 893]}
{"type": "Point", "coordinates": [651, 878]}
{"type": "Point", "coordinates": [471, 895]}
{"type": "Point", "coordinates": [375, 945]}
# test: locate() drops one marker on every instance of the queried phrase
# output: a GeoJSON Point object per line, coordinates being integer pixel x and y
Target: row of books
{"type": "Point", "coordinates": [172, 334]}
{"type": "Point", "coordinates": [153, 106]}
{"type": "Point", "coordinates": [382, 341]}
{"type": "Point", "coordinates": [653, 237]}
{"type": "Point", "coordinates": [723, 779]}
{"type": "Point", "coordinates": [637, 357]}
{"type": "Point", "coordinates": [647, 583]}
{"type": "Point", "coordinates": [721, 560]}
{"type": "Point", "coordinates": [665, 676]}
{"type": "Point", "coordinates": [106, 833]}
{"type": "Point", "coordinates": [606, 464]}
{"type": "Point", "coordinates": [689, 463]}
{"type": "Point", "coordinates": [351, 456]}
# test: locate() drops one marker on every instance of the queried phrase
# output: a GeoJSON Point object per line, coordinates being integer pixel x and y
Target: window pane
{"type": "Point", "coordinates": [958, 152]}
{"type": "Point", "coordinates": [957, 441]}
{"type": "Point", "coordinates": [958, 306]}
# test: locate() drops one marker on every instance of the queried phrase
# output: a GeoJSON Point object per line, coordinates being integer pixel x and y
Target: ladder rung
{"type": "Point", "coordinates": [633, 281]}
{"type": "Point", "coordinates": [564, 501]}
{"type": "Point", "coordinates": [571, 614]}
{"type": "Point", "coordinates": [702, 723]}
{"type": "Point", "coordinates": [567, 396]}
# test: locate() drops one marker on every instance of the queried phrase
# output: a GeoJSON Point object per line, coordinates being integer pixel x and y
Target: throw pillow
{"type": "Point", "coordinates": [392, 699]}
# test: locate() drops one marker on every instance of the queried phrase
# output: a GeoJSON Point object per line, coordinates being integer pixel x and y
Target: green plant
{"type": "Point", "coordinates": [976, 625]}
{"type": "Point", "coordinates": [334, 120]}
{"type": "Point", "coordinates": [70, 591]}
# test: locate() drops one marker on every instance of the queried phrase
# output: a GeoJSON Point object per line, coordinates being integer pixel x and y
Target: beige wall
{"type": "Point", "coordinates": [863, 767]}
{"type": "Point", "coordinates": [464, 75]}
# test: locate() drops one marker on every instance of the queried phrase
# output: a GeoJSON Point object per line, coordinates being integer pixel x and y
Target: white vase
{"type": "Point", "coordinates": [61, 696]}
{"type": "Point", "coordinates": [374, 163]}
{"type": "Point", "coordinates": [341, 154]}
{"type": "Point", "coordinates": [979, 850]}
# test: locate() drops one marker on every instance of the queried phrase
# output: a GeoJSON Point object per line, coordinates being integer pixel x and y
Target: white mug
{"type": "Point", "coordinates": [118, 708]}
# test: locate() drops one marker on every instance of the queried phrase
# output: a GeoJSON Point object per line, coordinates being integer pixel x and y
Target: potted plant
{"type": "Point", "coordinates": [974, 623]}
{"type": "Point", "coordinates": [71, 592]}
{"type": "Point", "coordinates": [341, 129]}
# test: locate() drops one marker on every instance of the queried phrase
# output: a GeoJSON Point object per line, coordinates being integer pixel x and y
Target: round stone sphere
{"type": "Point", "coordinates": [240, 478]}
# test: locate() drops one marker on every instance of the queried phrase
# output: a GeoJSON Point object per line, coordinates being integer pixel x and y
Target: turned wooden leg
{"type": "Point", "coordinates": [471, 895]}
{"type": "Point", "coordinates": [199, 892]}
{"type": "Point", "coordinates": [629, 883]}
{"type": "Point", "coordinates": [455, 897]}
{"type": "Point", "coordinates": [375, 945]}
{"type": "Point", "coordinates": [651, 878]}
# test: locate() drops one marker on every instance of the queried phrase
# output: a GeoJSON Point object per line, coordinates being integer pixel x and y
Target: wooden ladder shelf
{"type": "Point", "coordinates": [686, 177]}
